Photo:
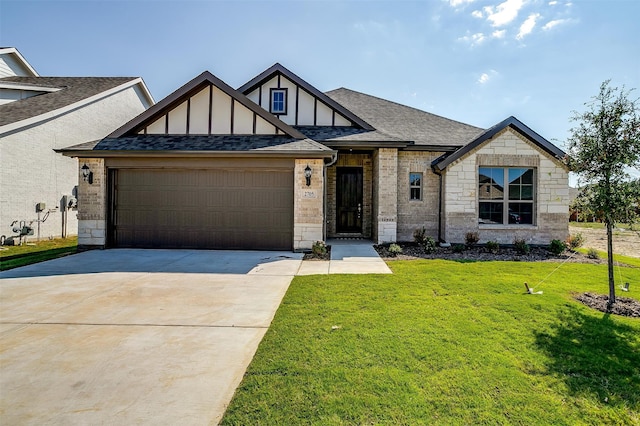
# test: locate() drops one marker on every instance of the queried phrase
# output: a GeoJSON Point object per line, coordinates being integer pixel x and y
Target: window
{"type": "Point", "coordinates": [278, 101]}
{"type": "Point", "coordinates": [415, 186]}
{"type": "Point", "coordinates": [500, 204]}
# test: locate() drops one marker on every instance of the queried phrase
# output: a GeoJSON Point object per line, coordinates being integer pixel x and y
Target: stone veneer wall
{"type": "Point", "coordinates": [385, 195]}
{"type": "Point", "coordinates": [415, 214]}
{"type": "Point", "coordinates": [507, 149]}
{"type": "Point", "coordinates": [92, 211]}
{"type": "Point", "coordinates": [308, 204]}
{"type": "Point", "coordinates": [351, 160]}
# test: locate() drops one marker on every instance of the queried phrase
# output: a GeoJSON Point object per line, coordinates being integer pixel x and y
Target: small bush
{"type": "Point", "coordinates": [493, 246]}
{"type": "Point", "coordinates": [395, 249]}
{"type": "Point", "coordinates": [592, 254]}
{"type": "Point", "coordinates": [471, 239]}
{"type": "Point", "coordinates": [557, 247]}
{"type": "Point", "coordinates": [457, 248]}
{"type": "Point", "coordinates": [574, 241]}
{"type": "Point", "coordinates": [521, 246]}
{"type": "Point", "coordinates": [319, 248]}
{"type": "Point", "coordinates": [419, 235]}
{"type": "Point", "coordinates": [429, 245]}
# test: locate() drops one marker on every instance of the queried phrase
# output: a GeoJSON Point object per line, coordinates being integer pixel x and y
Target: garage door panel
{"type": "Point", "coordinates": [242, 209]}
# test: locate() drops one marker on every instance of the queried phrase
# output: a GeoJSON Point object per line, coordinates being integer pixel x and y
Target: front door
{"type": "Point", "coordinates": [349, 200]}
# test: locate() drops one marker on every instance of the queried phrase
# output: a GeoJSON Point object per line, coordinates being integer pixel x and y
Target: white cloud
{"type": "Point", "coordinates": [483, 78]}
{"type": "Point", "coordinates": [498, 33]}
{"type": "Point", "coordinates": [503, 13]}
{"type": "Point", "coordinates": [528, 25]}
{"type": "Point", "coordinates": [456, 3]}
{"type": "Point", "coordinates": [477, 14]}
{"type": "Point", "coordinates": [553, 3]}
{"type": "Point", "coordinates": [554, 23]}
{"type": "Point", "coordinates": [473, 39]}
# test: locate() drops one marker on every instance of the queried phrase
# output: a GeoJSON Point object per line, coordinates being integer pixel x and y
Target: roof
{"type": "Point", "coordinates": [73, 90]}
{"type": "Point", "coordinates": [278, 69]}
{"type": "Point", "coordinates": [406, 123]}
{"type": "Point", "coordinates": [188, 90]}
{"type": "Point", "coordinates": [21, 61]}
{"type": "Point", "coordinates": [339, 135]}
{"type": "Point", "coordinates": [211, 144]}
{"type": "Point", "coordinates": [442, 162]}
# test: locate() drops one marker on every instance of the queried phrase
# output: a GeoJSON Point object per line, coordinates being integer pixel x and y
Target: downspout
{"type": "Point", "coordinates": [439, 173]}
{"type": "Point", "coordinates": [334, 160]}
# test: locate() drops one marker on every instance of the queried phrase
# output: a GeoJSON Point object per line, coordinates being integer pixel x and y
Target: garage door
{"type": "Point", "coordinates": [216, 209]}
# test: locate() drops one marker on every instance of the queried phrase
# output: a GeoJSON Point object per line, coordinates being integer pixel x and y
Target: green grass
{"type": "Point", "coordinates": [627, 260]}
{"type": "Point", "coordinates": [600, 225]}
{"type": "Point", "coordinates": [441, 342]}
{"type": "Point", "coordinates": [15, 256]}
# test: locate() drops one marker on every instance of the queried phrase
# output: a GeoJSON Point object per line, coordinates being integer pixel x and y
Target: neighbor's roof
{"type": "Point", "coordinates": [211, 144]}
{"type": "Point", "coordinates": [73, 91]}
{"type": "Point", "coordinates": [406, 123]}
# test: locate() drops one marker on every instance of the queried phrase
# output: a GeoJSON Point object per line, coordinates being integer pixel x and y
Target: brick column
{"type": "Point", "coordinates": [92, 216]}
{"type": "Point", "coordinates": [308, 204]}
{"type": "Point", "coordinates": [386, 175]}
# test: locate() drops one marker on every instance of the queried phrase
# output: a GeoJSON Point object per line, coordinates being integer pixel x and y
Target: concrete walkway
{"type": "Point", "coordinates": [347, 257]}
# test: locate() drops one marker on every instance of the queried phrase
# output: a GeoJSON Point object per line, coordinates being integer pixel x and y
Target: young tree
{"type": "Point", "coordinates": [602, 148]}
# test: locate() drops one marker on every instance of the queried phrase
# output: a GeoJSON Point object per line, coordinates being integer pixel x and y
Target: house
{"type": "Point", "coordinates": [278, 164]}
{"type": "Point", "coordinates": [40, 114]}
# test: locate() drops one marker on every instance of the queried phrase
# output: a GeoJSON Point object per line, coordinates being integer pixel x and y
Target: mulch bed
{"type": "Point", "coordinates": [624, 306]}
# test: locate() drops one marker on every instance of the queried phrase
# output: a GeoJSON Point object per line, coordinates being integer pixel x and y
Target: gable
{"type": "Point", "coordinates": [13, 64]}
{"type": "Point", "coordinates": [305, 105]}
{"type": "Point", "coordinates": [205, 106]}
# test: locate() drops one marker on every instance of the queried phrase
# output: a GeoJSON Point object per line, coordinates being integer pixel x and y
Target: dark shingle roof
{"type": "Point", "coordinates": [404, 122]}
{"type": "Point", "coordinates": [212, 143]}
{"type": "Point", "coordinates": [74, 89]}
{"type": "Point", "coordinates": [344, 133]}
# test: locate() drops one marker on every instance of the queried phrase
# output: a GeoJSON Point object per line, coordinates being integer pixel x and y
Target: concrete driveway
{"type": "Point", "coordinates": [134, 336]}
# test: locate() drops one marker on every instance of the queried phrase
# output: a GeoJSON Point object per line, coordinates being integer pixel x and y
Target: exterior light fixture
{"type": "Point", "coordinates": [87, 174]}
{"type": "Point", "coordinates": [307, 174]}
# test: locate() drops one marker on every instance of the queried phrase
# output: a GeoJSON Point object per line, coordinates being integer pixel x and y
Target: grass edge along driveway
{"type": "Point", "coordinates": [442, 342]}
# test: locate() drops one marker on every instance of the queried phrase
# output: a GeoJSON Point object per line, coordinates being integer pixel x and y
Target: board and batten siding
{"type": "Point", "coordinates": [210, 112]}
{"type": "Point", "coordinates": [303, 109]}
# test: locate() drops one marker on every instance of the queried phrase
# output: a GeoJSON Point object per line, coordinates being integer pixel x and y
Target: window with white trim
{"type": "Point", "coordinates": [506, 195]}
{"type": "Point", "coordinates": [278, 101]}
{"type": "Point", "coordinates": [415, 186]}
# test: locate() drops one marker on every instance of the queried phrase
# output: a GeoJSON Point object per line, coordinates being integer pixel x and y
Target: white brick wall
{"type": "Point", "coordinates": [507, 149]}
{"type": "Point", "coordinates": [31, 172]}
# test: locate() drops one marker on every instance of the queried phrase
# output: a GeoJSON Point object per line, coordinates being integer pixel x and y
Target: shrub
{"type": "Point", "coordinates": [471, 239]}
{"type": "Point", "coordinates": [557, 247]}
{"type": "Point", "coordinates": [521, 246]}
{"type": "Point", "coordinates": [319, 248]}
{"type": "Point", "coordinates": [493, 246]}
{"type": "Point", "coordinates": [395, 249]}
{"type": "Point", "coordinates": [429, 245]}
{"type": "Point", "coordinates": [457, 248]}
{"type": "Point", "coordinates": [574, 241]}
{"type": "Point", "coordinates": [419, 235]}
{"type": "Point", "coordinates": [592, 253]}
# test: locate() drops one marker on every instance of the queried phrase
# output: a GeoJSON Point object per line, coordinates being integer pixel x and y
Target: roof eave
{"type": "Point", "coordinates": [200, 154]}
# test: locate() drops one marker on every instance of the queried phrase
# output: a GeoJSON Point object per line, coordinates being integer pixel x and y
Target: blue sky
{"type": "Point", "coordinates": [476, 61]}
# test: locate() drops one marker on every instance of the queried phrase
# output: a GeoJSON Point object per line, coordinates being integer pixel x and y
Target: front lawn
{"type": "Point", "coordinates": [442, 342]}
{"type": "Point", "coordinates": [26, 254]}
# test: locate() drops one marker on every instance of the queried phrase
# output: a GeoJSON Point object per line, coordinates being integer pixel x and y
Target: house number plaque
{"type": "Point", "coordinates": [310, 194]}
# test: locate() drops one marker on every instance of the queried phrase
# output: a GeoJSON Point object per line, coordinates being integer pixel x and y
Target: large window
{"type": "Point", "coordinates": [415, 186]}
{"type": "Point", "coordinates": [278, 104]}
{"type": "Point", "coordinates": [506, 195]}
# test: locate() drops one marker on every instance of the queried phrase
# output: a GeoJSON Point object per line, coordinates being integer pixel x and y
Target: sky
{"type": "Point", "coordinates": [475, 61]}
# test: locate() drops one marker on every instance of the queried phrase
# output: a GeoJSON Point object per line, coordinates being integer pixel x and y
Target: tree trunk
{"type": "Point", "coordinates": [612, 287]}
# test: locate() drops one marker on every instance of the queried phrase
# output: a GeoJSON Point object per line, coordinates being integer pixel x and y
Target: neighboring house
{"type": "Point", "coordinates": [40, 114]}
{"type": "Point", "coordinates": [277, 164]}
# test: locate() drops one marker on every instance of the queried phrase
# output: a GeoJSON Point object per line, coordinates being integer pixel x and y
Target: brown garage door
{"type": "Point", "coordinates": [216, 209]}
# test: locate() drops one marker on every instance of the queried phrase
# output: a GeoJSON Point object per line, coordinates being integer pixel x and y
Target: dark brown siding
{"type": "Point", "coordinates": [213, 209]}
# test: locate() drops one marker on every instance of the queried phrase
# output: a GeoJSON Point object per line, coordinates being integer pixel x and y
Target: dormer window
{"type": "Point", "coordinates": [278, 103]}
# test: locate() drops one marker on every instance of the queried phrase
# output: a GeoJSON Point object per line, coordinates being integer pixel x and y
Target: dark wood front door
{"type": "Point", "coordinates": [349, 200]}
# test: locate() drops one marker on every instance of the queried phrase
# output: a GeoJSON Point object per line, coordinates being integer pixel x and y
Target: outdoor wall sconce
{"type": "Point", "coordinates": [87, 174]}
{"type": "Point", "coordinates": [307, 174]}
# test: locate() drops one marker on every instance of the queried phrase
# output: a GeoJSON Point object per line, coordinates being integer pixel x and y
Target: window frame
{"type": "Point", "coordinates": [506, 200]}
{"type": "Point", "coordinates": [413, 187]}
{"type": "Point", "coordinates": [285, 94]}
